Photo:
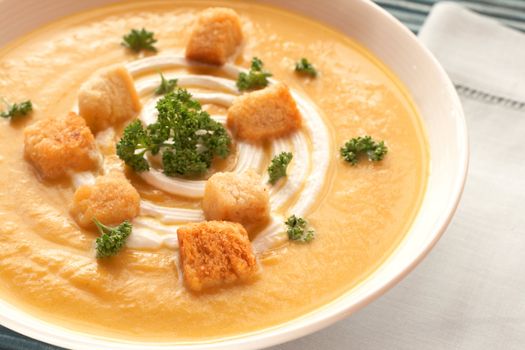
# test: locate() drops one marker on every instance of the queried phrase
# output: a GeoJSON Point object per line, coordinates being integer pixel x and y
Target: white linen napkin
{"type": "Point", "coordinates": [470, 291]}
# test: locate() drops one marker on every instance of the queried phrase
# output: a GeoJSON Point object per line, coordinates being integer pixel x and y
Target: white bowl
{"type": "Point", "coordinates": [438, 104]}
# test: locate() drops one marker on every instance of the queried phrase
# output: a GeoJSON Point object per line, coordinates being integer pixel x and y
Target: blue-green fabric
{"type": "Point", "coordinates": [10, 340]}
{"type": "Point", "coordinates": [412, 13]}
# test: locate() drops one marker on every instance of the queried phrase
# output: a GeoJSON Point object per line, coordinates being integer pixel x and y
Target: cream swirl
{"type": "Point", "coordinates": [157, 225]}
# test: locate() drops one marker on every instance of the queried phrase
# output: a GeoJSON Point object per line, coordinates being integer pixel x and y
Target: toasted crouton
{"type": "Point", "coordinates": [215, 36]}
{"type": "Point", "coordinates": [58, 145]}
{"type": "Point", "coordinates": [215, 253]}
{"type": "Point", "coordinates": [236, 197]}
{"type": "Point", "coordinates": [264, 114]}
{"type": "Point", "coordinates": [108, 98]}
{"type": "Point", "coordinates": [111, 200]}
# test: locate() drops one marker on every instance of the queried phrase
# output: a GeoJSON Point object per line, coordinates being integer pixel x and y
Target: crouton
{"type": "Point", "coordinates": [215, 253]}
{"type": "Point", "coordinates": [58, 145]}
{"type": "Point", "coordinates": [264, 114]}
{"type": "Point", "coordinates": [111, 200]}
{"type": "Point", "coordinates": [108, 98]}
{"type": "Point", "coordinates": [215, 36]}
{"type": "Point", "coordinates": [236, 197]}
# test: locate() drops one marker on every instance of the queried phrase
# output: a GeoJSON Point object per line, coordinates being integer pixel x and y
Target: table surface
{"type": "Point", "coordinates": [412, 13]}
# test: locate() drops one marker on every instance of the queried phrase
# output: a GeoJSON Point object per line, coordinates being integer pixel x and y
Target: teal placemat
{"type": "Point", "coordinates": [412, 13]}
{"type": "Point", "coordinates": [10, 340]}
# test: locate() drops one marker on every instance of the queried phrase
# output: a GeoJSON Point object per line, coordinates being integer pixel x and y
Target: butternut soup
{"type": "Point", "coordinates": [195, 170]}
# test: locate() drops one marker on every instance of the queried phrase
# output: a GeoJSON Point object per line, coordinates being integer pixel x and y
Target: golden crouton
{"type": "Point", "coordinates": [111, 200]}
{"type": "Point", "coordinates": [108, 98]}
{"type": "Point", "coordinates": [58, 145]}
{"type": "Point", "coordinates": [215, 36]}
{"type": "Point", "coordinates": [215, 253]}
{"type": "Point", "coordinates": [236, 197]}
{"type": "Point", "coordinates": [264, 114]}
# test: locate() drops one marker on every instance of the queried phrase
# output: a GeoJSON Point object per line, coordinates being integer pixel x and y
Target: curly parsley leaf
{"type": "Point", "coordinates": [138, 40]}
{"type": "Point", "coordinates": [165, 86]}
{"type": "Point", "coordinates": [277, 168]}
{"type": "Point", "coordinates": [353, 148]}
{"type": "Point", "coordinates": [186, 137]}
{"type": "Point", "coordinates": [112, 239]}
{"type": "Point", "coordinates": [305, 67]}
{"type": "Point", "coordinates": [256, 78]}
{"type": "Point", "coordinates": [133, 145]}
{"type": "Point", "coordinates": [184, 161]}
{"type": "Point", "coordinates": [16, 110]}
{"type": "Point", "coordinates": [298, 230]}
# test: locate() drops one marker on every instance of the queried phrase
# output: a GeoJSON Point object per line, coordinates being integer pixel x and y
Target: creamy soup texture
{"type": "Point", "coordinates": [360, 213]}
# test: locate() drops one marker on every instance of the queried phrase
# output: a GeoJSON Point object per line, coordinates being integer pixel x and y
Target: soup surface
{"type": "Point", "coordinates": [360, 213]}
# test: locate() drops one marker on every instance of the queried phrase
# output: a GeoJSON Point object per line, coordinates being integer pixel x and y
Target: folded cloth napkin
{"type": "Point", "coordinates": [470, 291]}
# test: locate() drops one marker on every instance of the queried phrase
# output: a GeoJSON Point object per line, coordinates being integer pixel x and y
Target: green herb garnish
{"type": "Point", "coordinates": [256, 78]}
{"type": "Point", "coordinates": [298, 229]}
{"type": "Point", "coordinates": [16, 110]}
{"type": "Point", "coordinates": [186, 136]}
{"type": "Point", "coordinates": [165, 86]}
{"type": "Point", "coordinates": [277, 168]}
{"type": "Point", "coordinates": [353, 148]}
{"type": "Point", "coordinates": [138, 40]}
{"type": "Point", "coordinates": [112, 239]}
{"type": "Point", "coordinates": [305, 67]}
{"type": "Point", "coordinates": [133, 145]}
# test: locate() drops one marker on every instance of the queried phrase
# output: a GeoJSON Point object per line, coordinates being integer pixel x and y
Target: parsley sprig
{"type": "Point", "coordinates": [256, 78]}
{"type": "Point", "coordinates": [186, 137]}
{"type": "Point", "coordinates": [138, 40]}
{"type": "Point", "coordinates": [112, 239]}
{"type": "Point", "coordinates": [277, 168]}
{"type": "Point", "coordinates": [306, 68]}
{"type": "Point", "coordinates": [353, 148]}
{"type": "Point", "coordinates": [298, 230]}
{"type": "Point", "coordinates": [16, 110]}
{"type": "Point", "coordinates": [165, 86]}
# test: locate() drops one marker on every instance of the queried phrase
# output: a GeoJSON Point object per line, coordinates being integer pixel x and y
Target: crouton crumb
{"type": "Point", "coordinates": [264, 114]}
{"type": "Point", "coordinates": [236, 197]}
{"type": "Point", "coordinates": [111, 200]}
{"type": "Point", "coordinates": [108, 98]}
{"type": "Point", "coordinates": [215, 253]}
{"type": "Point", "coordinates": [215, 36]}
{"type": "Point", "coordinates": [57, 145]}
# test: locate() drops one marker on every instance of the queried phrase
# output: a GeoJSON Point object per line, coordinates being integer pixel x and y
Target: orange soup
{"type": "Point", "coordinates": [359, 212]}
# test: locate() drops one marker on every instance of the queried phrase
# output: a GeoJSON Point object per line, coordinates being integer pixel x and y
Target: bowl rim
{"type": "Point", "coordinates": [292, 329]}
